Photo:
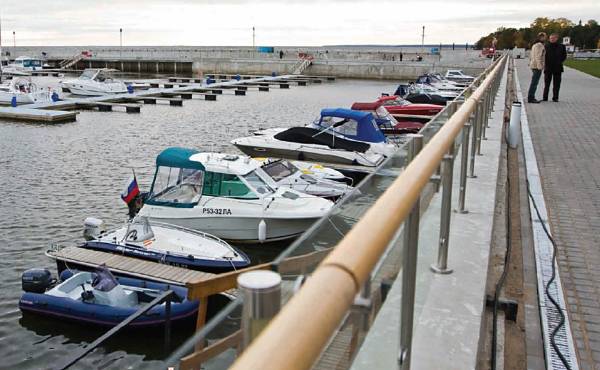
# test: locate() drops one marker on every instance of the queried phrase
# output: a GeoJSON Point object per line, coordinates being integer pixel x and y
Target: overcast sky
{"type": "Point", "coordinates": [277, 22]}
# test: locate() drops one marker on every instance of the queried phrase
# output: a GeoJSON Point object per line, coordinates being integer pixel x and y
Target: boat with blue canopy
{"type": "Point", "coordinates": [337, 136]}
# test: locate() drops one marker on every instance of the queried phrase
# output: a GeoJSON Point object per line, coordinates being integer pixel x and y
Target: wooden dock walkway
{"type": "Point", "coordinates": [129, 266]}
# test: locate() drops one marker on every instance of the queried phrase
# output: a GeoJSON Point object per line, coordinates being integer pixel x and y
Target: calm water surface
{"type": "Point", "coordinates": [54, 176]}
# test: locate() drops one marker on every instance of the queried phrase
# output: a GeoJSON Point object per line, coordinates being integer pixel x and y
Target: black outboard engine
{"type": "Point", "coordinates": [37, 280]}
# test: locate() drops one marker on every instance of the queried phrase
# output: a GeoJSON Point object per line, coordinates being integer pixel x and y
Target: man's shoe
{"type": "Point", "coordinates": [533, 101]}
{"type": "Point", "coordinates": [555, 100]}
{"type": "Point", "coordinates": [545, 99]}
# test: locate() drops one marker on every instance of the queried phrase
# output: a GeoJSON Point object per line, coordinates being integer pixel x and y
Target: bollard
{"type": "Point", "coordinates": [475, 126]}
{"type": "Point", "coordinates": [409, 267]}
{"type": "Point", "coordinates": [464, 161]}
{"type": "Point", "coordinates": [441, 267]}
{"type": "Point", "coordinates": [513, 134]}
{"type": "Point", "coordinates": [261, 292]}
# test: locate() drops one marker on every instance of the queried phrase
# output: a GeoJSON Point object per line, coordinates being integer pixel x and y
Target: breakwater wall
{"type": "Point", "coordinates": [345, 62]}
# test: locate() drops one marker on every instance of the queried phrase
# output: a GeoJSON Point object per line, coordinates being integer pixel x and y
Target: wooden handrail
{"type": "Point", "coordinates": [307, 322]}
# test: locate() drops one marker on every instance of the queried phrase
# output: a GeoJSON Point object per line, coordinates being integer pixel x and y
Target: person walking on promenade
{"type": "Point", "coordinates": [556, 53]}
{"type": "Point", "coordinates": [536, 63]}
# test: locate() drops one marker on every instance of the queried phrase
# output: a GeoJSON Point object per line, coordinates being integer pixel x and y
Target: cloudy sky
{"type": "Point", "coordinates": [277, 22]}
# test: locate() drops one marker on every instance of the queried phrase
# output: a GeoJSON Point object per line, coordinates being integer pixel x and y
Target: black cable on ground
{"type": "Point", "coordinates": [547, 287]}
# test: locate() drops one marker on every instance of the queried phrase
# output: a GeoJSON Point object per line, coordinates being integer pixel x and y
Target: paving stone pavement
{"type": "Point", "coordinates": [566, 138]}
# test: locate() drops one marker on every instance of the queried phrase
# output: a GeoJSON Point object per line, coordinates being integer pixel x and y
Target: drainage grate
{"type": "Point", "coordinates": [549, 314]}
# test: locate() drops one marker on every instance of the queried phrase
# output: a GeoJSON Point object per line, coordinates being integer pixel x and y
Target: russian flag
{"type": "Point", "coordinates": [131, 191]}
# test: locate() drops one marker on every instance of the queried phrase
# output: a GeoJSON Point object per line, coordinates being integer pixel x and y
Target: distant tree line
{"type": "Point", "coordinates": [583, 36]}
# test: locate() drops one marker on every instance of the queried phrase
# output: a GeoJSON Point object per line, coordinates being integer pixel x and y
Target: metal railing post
{"type": "Point", "coordinates": [261, 292]}
{"type": "Point", "coordinates": [484, 125]}
{"type": "Point", "coordinates": [409, 268]}
{"type": "Point", "coordinates": [474, 137]}
{"type": "Point", "coordinates": [441, 267]}
{"type": "Point", "coordinates": [480, 124]}
{"type": "Point", "coordinates": [464, 162]}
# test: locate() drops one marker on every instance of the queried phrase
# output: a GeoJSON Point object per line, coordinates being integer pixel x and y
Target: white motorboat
{"type": "Point", "coordinates": [337, 136]}
{"type": "Point", "coordinates": [23, 91]}
{"type": "Point", "coordinates": [94, 82]}
{"type": "Point", "coordinates": [458, 75]}
{"type": "Point", "coordinates": [228, 196]}
{"type": "Point", "coordinates": [164, 243]}
{"type": "Point", "coordinates": [433, 81]}
{"type": "Point", "coordinates": [419, 88]}
{"type": "Point", "coordinates": [310, 180]}
{"type": "Point", "coordinates": [24, 65]}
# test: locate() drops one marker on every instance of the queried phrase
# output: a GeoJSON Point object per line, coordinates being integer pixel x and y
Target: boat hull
{"type": "Point", "coordinates": [242, 229]}
{"type": "Point", "coordinates": [327, 156]}
{"type": "Point", "coordinates": [169, 259]}
{"type": "Point", "coordinates": [109, 316]}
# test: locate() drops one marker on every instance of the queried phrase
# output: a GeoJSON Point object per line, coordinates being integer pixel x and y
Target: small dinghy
{"type": "Point", "coordinates": [99, 298]}
{"type": "Point", "coordinates": [165, 243]}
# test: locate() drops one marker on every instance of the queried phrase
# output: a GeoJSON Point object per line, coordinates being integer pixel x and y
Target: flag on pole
{"type": "Point", "coordinates": [131, 191]}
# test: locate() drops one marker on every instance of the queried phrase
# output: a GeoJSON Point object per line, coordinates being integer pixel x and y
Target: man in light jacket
{"type": "Point", "coordinates": [536, 63]}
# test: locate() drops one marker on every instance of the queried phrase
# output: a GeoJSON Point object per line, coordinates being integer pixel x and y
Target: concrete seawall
{"type": "Point", "coordinates": [347, 62]}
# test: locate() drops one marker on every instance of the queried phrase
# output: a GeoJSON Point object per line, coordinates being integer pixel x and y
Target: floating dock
{"type": "Point", "coordinates": [58, 111]}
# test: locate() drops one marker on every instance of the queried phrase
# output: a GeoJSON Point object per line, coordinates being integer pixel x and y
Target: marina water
{"type": "Point", "coordinates": [54, 176]}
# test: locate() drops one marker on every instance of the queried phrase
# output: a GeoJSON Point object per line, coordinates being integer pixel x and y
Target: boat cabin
{"type": "Point", "coordinates": [183, 176]}
{"type": "Point", "coordinates": [350, 124]}
{"type": "Point", "coordinates": [381, 115]}
{"type": "Point", "coordinates": [28, 63]}
{"type": "Point", "coordinates": [98, 74]}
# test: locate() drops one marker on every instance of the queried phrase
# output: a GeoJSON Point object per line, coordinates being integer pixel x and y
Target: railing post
{"type": "Point", "coordinates": [261, 292]}
{"type": "Point", "coordinates": [441, 267]}
{"type": "Point", "coordinates": [409, 268]}
{"type": "Point", "coordinates": [464, 162]}
{"type": "Point", "coordinates": [475, 125]}
{"type": "Point", "coordinates": [484, 123]}
{"type": "Point", "coordinates": [480, 124]}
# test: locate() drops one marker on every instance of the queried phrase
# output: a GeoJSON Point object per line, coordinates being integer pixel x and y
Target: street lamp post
{"type": "Point", "coordinates": [120, 43]}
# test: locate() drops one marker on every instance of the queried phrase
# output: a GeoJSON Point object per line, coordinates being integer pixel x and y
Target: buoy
{"type": "Point", "coordinates": [262, 231]}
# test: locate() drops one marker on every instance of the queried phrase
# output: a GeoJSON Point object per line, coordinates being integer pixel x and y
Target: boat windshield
{"type": "Point", "coordinates": [257, 184]}
{"type": "Point", "coordinates": [344, 126]}
{"type": "Point", "coordinates": [179, 187]}
{"type": "Point", "coordinates": [383, 113]}
{"type": "Point", "coordinates": [88, 74]}
{"type": "Point", "coordinates": [396, 102]}
{"type": "Point", "coordinates": [32, 63]}
{"type": "Point", "coordinates": [280, 169]}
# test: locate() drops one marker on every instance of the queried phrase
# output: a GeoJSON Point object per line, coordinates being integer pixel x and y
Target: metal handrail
{"type": "Point", "coordinates": [310, 318]}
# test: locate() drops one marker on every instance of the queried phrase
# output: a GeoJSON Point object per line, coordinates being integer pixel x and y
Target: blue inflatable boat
{"type": "Point", "coordinates": [99, 298]}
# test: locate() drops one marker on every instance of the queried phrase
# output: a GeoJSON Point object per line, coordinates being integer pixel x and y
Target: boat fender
{"type": "Point", "coordinates": [55, 96]}
{"type": "Point", "coordinates": [13, 102]}
{"type": "Point", "coordinates": [130, 89]}
{"type": "Point", "coordinates": [262, 231]}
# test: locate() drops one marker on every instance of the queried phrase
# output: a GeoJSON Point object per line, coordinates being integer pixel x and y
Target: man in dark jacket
{"type": "Point", "coordinates": [556, 53]}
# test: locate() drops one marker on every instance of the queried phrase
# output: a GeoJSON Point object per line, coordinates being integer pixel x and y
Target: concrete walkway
{"type": "Point", "coordinates": [448, 308]}
{"type": "Point", "coordinates": [566, 138]}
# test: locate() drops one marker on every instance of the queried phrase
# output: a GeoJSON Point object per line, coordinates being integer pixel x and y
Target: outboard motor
{"type": "Point", "coordinates": [37, 280]}
{"type": "Point", "coordinates": [93, 228]}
